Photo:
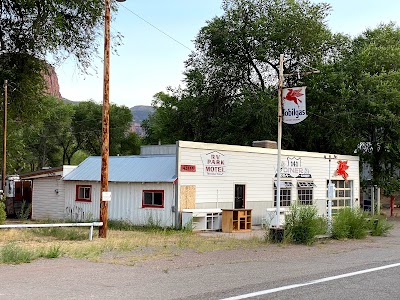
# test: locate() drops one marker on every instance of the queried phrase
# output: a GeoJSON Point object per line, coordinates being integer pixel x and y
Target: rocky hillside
{"type": "Point", "coordinates": [141, 112]}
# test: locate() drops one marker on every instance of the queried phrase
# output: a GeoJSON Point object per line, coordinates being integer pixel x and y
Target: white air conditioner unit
{"type": "Point", "coordinates": [270, 218]}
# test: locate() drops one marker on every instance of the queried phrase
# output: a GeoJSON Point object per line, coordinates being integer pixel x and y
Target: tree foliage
{"type": "Point", "coordinates": [230, 93]}
{"type": "Point", "coordinates": [67, 134]}
{"type": "Point", "coordinates": [32, 32]}
{"type": "Point", "coordinates": [87, 127]}
{"type": "Point", "coordinates": [61, 28]}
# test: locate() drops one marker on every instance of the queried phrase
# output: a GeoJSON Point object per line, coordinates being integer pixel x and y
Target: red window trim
{"type": "Point", "coordinates": [77, 193]}
{"type": "Point", "coordinates": [152, 206]}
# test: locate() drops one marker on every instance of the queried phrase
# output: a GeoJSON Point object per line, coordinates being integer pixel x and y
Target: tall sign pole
{"type": "Point", "coordinates": [280, 119]}
{"type": "Point", "coordinates": [105, 123]}
{"type": "Point", "coordinates": [330, 192]}
{"type": "Point", "coordinates": [4, 174]}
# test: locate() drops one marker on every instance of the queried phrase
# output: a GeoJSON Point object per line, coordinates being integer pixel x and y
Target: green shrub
{"type": "Point", "coordinates": [302, 224]}
{"type": "Point", "coordinates": [24, 212]}
{"type": "Point", "coordinates": [2, 212]}
{"type": "Point", "coordinates": [379, 226]}
{"type": "Point", "coordinates": [11, 253]}
{"type": "Point", "coordinates": [350, 223]}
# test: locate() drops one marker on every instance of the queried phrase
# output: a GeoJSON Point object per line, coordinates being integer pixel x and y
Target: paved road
{"type": "Point", "coordinates": [220, 274]}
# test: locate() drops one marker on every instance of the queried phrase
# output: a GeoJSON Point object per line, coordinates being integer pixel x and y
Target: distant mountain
{"type": "Point", "coordinates": [66, 101]}
{"type": "Point", "coordinates": [141, 112]}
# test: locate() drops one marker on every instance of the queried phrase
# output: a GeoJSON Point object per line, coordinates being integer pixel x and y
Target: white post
{"type": "Point", "coordinates": [330, 191]}
{"type": "Point", "coordinates": [372, 200]}
{"type": "Point", "coordinates": [91, 233]}
{"type": "Point", "coordinates": [278, 170]}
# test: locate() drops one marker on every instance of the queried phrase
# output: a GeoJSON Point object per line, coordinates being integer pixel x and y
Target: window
{"type": "Point", "coordinates": [305, 192]}
{"type": "Point", "coordinates": [285, 193]}
{"type": "Point", "coordinates": [153, 199]}
{"type": "Point", "coordinates": [84, 193]}
{"type": "Point", "coordinates": [343, 194]}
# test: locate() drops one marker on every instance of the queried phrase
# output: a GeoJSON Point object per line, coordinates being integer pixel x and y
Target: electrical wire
{"type": "Point", "coordinates": [155, 27]}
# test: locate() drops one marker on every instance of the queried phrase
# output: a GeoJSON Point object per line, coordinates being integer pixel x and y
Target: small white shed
{"type": "Point", "coordinates": [48, 200]}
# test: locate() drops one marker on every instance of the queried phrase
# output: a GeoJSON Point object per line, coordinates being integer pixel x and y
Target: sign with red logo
{"type": "Point", "coordinates": [294, 105]}
{"type": "Point", "coordinates": [341, 169]}
{"type": "Point", "coordinates": [188, 168]}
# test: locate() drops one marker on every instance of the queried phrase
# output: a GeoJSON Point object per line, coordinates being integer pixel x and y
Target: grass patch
{"type": "Point", "coordinates": [151, 226]}
{"type": "Point", "coordinates": [63, 233]}
{"type": "Point", "coordinates": [2, 211]}
{"type": "Point", "coordinates": [11, 253]}
{"type": "Point", "coordinates": [121, 246]}
{"type": "Point", "coordinates": [53, 251]}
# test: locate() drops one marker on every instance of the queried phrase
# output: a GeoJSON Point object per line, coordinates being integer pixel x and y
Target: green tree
{"type": "Point", "coordinates": [230, 94]}
{"type": "Point", "coordinates": [48, 142]}
{"type": "Point", "coordinates": [32, 32]}
{"type": "Point", "coordinates": [87, 128]}
{"type": "Point", "coordinates": [354, 105]}
{"type": "Point", "coordinates": [375, 65]}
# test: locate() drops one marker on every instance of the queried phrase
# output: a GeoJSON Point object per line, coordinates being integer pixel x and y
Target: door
{"type": "Point", "coordinates": [240, 193]}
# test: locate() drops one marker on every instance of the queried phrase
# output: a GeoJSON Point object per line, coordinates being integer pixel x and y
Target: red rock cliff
{"type": "Point", "coordinates": [51, 78]}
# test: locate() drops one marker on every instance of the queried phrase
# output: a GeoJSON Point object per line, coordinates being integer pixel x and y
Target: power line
{"type": "Point", "coordinates": [155, 27]}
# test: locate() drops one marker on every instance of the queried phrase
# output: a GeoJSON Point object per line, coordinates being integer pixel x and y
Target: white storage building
{"type": "Point", "coordinates": [48, 192]}
{"type": "Point", "coordinates": [142, 189]}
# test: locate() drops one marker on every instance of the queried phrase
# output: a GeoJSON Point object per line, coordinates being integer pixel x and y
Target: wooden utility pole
{"type": "Point", "coordinates": [105, 138]}
{"type": "Point", "coordinates": [105, 124]}
{"type": "Point", "coordinates": [4, 174]}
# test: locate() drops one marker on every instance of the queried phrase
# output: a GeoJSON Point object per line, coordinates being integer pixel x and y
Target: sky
{"type": "Point", "coordinates": [158, 37]}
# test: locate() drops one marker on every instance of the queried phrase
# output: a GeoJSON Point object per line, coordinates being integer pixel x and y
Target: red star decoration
{"type": "Point", "coordinates": [341, 169]}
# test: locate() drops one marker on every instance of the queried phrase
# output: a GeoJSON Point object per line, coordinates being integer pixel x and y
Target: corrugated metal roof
{"type": "Point", "coordinates": [127, 169]}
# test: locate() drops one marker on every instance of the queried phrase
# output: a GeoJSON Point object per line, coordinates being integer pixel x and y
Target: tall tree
{"type": "Point", "coordinates": [375, 66]}
{"type": "Point", "coordinates": [230, 94]}
{"type": "Point", "coordinates": [32, 32]}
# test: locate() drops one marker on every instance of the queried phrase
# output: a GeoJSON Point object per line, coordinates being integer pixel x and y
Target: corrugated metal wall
{"type": "Point", "coordinates": [126, 203]}
{"type": "Point", "coordinates": [48, 201]}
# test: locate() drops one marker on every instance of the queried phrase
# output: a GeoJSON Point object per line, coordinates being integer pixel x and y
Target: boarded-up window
{"type": "Point", "coordinates": [188, 197]}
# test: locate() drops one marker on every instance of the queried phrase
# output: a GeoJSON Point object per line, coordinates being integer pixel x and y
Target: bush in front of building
{"type": "Point", "coordinates": [2, 211]}
{"type": "Point", "coordinates": [303, 224]}
{"type": "Point", "coordinates": [351, 223]}
{"type": "Point", "coordinates": [379, 226]}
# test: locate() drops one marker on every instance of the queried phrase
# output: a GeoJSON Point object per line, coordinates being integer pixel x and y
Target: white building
{"type": "Point", "coordinates": [142, 189]}
{"type": "Point", "coordinates": [230, 177]}
{"type": "Point", "coordinates": [157, 185]}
